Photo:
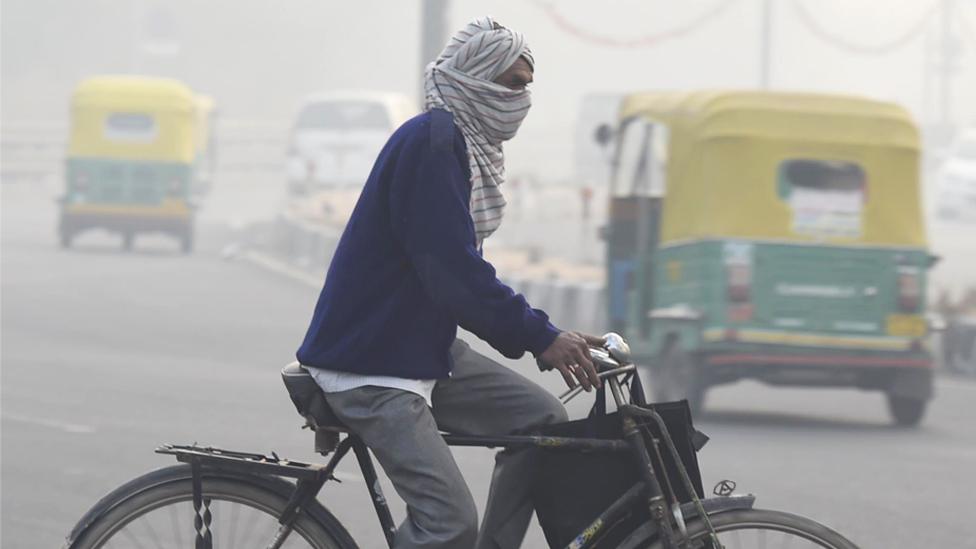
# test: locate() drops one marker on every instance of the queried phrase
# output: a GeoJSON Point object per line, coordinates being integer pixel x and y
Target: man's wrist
{"type": "Point", "coordinates": [538, 344]}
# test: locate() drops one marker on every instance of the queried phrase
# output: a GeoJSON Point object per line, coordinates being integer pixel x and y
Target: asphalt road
{"type": "Point", "coordinates": [106, 355]}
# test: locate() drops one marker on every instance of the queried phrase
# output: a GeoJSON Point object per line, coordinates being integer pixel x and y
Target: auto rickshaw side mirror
{"type": "Point", "coordinates": [603, 135]}
{"type": "Point", "coordinates": [934, 260]}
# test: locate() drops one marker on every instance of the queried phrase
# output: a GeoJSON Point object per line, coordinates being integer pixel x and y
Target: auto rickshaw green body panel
{"type": "Point", "coordinates": [774, 236]}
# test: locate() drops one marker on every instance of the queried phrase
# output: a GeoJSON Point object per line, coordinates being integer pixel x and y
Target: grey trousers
{"type": "Point", "coordinates": [482, 397]}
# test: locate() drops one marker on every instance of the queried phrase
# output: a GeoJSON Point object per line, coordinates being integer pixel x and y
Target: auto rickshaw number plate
{"type": "Point", "coordinates": [905, 325]}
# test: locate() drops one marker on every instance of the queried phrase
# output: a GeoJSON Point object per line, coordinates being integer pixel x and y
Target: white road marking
{"type": "Point", "coordinates": [280, 267]}
{"type": "Point", "coordinates": [50, 423]}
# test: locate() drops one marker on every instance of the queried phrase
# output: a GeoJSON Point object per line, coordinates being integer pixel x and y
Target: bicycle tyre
{"type": "Point", "coordinates": [645, 537]}
{"type": "Point", "coordinates": [173, 486]}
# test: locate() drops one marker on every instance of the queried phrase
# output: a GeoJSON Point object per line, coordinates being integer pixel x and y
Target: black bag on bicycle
{"type": "Point", "coordinates": [572, 489]}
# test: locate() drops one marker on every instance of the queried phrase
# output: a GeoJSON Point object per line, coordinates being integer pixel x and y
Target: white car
{"type": "Point", "coordinates": [337, 136]}
{"type": "Point", "coordinates": [957, 180]}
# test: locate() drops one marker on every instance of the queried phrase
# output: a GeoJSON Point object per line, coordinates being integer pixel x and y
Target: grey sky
{"type": "Point", "coordinates": [259, 58]}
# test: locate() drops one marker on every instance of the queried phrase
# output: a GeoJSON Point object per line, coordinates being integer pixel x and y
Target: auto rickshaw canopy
{"type": "Point", "coordinates": [751, 165]}
{"type": "Point", "coordinates": [135, 118]}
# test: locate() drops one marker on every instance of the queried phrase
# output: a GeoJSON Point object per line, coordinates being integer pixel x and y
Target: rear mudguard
{"type": "Point", "coordinates": [718, 504]}
{"type": "Point", "coordinates": [179, 473]}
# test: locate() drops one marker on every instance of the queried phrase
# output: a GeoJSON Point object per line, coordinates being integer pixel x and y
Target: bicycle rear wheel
{"type": "Point", "coordinates": [750, 529]}
{"type": "Point", "coordinates": [157, 511]}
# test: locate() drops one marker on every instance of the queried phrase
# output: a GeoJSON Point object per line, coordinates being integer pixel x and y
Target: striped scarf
{"type": "Point", "coordinates": [461, 81]}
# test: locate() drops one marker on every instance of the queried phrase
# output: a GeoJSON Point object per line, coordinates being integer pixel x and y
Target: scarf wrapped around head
{"type": "Point", "coordinates": [461, 81]}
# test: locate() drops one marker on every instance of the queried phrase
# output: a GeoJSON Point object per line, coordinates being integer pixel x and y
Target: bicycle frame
{"type": "Point", "coordinates": [312, 477]}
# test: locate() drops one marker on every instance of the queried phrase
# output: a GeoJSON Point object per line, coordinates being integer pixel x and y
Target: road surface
{"type": "Point", "coordinates": [107, 354]}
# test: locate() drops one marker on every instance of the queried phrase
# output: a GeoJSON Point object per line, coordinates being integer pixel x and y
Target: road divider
{"type": "Point", "coordinates": [572, 295]}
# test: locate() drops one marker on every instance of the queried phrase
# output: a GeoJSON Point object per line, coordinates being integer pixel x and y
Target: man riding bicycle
{"type": "Point", "coordinates": [408, 271]}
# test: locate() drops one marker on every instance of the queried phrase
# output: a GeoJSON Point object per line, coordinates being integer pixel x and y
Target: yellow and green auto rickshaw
{"type": "Point", "coordinates": [770, 236]}
{"type": "Point", "coordinates": [133, 158]}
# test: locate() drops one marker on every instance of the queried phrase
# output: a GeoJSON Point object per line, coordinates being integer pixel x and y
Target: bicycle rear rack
{"type": "Point", "coordinates": [246, 462]}
{"type": "Point", "coordinates": [310, 478]}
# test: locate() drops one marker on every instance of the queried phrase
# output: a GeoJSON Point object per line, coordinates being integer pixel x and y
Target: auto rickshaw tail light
{"type": "Point", "coordinates": [739, 279]}
{"type": "Point", "coordinates": [909, 289]}
{"type": "Point", "coordinates": [740, 312]}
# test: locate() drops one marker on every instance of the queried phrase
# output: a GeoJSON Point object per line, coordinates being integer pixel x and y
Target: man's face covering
{"type": "Point", "coordinates": [462, 81]}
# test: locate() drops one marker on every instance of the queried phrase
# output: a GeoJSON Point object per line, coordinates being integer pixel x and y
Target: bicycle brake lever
{"type": "Point", "coordinates": [571, 394]}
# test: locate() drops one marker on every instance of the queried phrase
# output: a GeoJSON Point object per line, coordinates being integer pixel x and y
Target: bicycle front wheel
{"type": "Point", "coordinates": [157, 511]}
{"type": "Point", "coordinates": [750, 529]}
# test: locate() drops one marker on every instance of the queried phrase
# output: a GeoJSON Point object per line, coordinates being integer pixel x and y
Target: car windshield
{"type": "Point", "coordinates": [344, 116]}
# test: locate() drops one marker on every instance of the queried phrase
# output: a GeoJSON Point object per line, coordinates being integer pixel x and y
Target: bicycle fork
{"type": "Point", "coordinates": [657, 502]}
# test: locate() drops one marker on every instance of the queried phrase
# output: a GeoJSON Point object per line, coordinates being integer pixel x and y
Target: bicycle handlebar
{"type": "Point", "coordinates": [610, 360]}
{"type": "Point", "coordinates": [614, 354]}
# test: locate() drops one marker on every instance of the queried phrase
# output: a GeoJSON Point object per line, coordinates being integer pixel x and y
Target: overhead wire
{"type": "Point", "coordinates": [814, 27]}
{"type": "Point", "coordinates": [647, 40]}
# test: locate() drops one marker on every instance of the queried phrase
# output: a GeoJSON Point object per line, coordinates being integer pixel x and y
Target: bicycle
{"type": "Point", "coordinates": [214, 491]}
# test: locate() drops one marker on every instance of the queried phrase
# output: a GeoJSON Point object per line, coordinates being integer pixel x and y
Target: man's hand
{"type": "Point", "coordinates": [570, 354]}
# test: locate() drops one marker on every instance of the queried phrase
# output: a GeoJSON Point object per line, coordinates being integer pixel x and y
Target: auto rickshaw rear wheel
{"type": "Point", "coordinates": [128, 239]}
{"type": "Point", "coordinates": [65, 239]}
{"type": "Point", "coordinates": [906, 411]}
{"type": "Point", "coordinates": [677, 375]}
{"type": "Point", "coordinates": [186, 242]}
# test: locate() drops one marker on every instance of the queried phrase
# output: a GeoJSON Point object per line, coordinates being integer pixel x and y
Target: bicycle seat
{"type": "Point", "coordinates": [310, 402]}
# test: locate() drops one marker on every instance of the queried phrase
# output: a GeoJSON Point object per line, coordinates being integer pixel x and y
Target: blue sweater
{"type": "Point", "coordinates": [407, 273]}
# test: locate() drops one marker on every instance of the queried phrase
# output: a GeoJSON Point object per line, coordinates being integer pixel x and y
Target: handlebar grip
{"type": "Point", "coordinates": [616, 350]}
{"type": "Point", "coordinates": [600, 357]}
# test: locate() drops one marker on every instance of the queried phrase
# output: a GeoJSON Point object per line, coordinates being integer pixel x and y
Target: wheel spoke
{"type": "Point", "coordinates": [234, 514]}
{"type": "Point", "coordinates": [215, 532]}
{"type": "Point", "coordinates": [739, 530]}
{"type": "Point", "coordinates": [152, 534]}
{"type": "Point", "coordinates": [177, 532]}
{"type": "Point", "coordinates": [235, 525]}
{"type": "Point", "coordinates": [248, 532]}
{"type": "Point", "coordinates": [132, 538]}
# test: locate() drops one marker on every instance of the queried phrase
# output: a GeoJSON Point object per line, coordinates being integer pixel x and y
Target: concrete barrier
{"type": "Point", "coordinates": [571, 305]}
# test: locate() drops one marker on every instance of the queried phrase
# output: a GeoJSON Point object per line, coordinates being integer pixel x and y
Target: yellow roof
{"type": "Point", "coordinates": [134, 92]}
{"type": "Point", "coordinates": [725, 151]}
{"type": "Point", "coordinates": [778, 115]}
{"type": "Point", "coordinates": [204, 103]}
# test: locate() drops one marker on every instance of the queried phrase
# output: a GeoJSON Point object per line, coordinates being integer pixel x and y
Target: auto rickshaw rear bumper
{"type": "Point", "coordinates": [170, 217]}
{"type": "Point", "coordinates": [908, 373]}
{"type": "Point", "coordinates": [920, 360]}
